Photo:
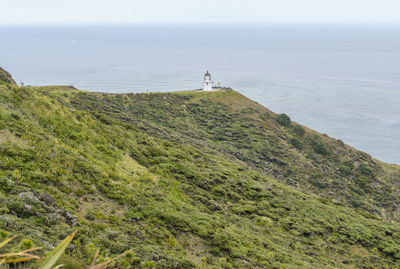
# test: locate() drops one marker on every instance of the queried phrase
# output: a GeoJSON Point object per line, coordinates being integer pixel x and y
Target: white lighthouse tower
{"type": "Point", "coordinates": [208, 83]}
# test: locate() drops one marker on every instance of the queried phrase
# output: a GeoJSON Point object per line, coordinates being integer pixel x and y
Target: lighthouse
{"type": "Point", "coordinates": [208, 83]}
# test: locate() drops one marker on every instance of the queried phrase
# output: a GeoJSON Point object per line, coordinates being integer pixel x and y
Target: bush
{"type": "Point", "coordinates": [299, 130]}
{"type": "Point", "coordinates": [345, 170]}
{"type": "Point", "coordinates": [363, 182]}
{"type": "Point", "coordinates": [283, 120]}
{"type": "Point", "coordinates": [340, 142]}
{"type": "Point", "coordinates": [27, 243]}
{"type": "Point", "coordinates": [296, 143]}
{"type": "Point", "coordinates": [318, 146]}
{"type": "Point", "coordinates": [319, 183]}
{"type": "Point", "coordinates": [365, 169]}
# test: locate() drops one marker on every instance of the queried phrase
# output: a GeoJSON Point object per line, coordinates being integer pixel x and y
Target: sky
{"type": "Point", "coordinates": [198, 11]}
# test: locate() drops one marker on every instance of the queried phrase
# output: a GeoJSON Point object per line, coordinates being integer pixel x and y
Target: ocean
{"type": "Point", "coordinates": [340, 80]}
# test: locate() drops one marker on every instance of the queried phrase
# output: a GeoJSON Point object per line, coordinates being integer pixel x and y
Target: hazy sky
{"type": "Point", "coordinates": [199, 11]}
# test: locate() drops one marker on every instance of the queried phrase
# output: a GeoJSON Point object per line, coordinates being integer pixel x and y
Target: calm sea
{"type": "Point", "coordinates": [339, 80]}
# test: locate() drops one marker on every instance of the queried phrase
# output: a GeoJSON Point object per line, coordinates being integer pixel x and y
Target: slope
{"type": "Point", "coordinates": [126, 174]}
{"type": "Point", "coordinates": [230, 124]}
{"type": "Point", "coordinates": [6, 78]}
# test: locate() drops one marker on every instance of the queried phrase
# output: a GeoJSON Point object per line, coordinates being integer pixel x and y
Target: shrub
{"type": "Point", "coordinates": [3, 234]}
{"type": "Point", "coordinates": [318, 146]}
{"type": "Point", "coordinates": [340, 142]}
{"type": "Point", "coordinates": [356, 203]}
{"type": "Point", "coordinates": [296, 143]}
{"type": "Point", "coordinates": [299, 130]}
{"type": "Point", "coordinates": [345, 170]}
{"type": "Point", "coordinates": [283, 120]}
{"type": "Point", "coordinates": [27, 243]}
{"type": "Point", "coordinates": [363, 181]}
{"type": "Point", "coordinates": [365, 169]}
{"type": "Point", "coordinates": [319, 183]}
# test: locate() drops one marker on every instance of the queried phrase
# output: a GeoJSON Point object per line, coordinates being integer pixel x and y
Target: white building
{"type": "Point", "coordinates": [208, 83]}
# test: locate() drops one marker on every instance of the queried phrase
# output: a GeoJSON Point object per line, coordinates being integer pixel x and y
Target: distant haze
{"type": "Point", "coordinates": [204, 11]}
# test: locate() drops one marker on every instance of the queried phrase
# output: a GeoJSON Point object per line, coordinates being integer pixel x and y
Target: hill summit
{"type": "Point", "coordinates": [189, 180]}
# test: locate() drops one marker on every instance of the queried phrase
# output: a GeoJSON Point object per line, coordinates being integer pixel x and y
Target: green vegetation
{"type": "Point", "coordinates": [296, 143]}
{"type": "Point", "coordinates": [21, 257]}
{"type": "Point", "coordinates": [188, 180]}
{"type": "Point", "coordinates": [6, 78]}
{"type": "Point", "coordinates": [283, 120]}
{"type": "Point", "coordinates": [318, 145]}
{"type": "Point", "coordinates": [298, 130]}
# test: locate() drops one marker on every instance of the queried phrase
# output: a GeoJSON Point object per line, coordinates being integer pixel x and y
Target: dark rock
{"type": "Point", "coordinates": [47, 198]}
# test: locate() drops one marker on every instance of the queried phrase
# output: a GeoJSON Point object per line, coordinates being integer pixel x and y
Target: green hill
{"type": "Point", "coordinates": [6, 78]}
{"type": "Point", "coordinates": [189, 180]}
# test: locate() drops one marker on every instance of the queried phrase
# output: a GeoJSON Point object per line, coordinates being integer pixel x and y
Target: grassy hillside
{"type": "Point", "coordinates": [231, 125]}
{"type": "Point", "coordinates": [188, 180]}
{"type": "Point", "coordinates": [6, 78]}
